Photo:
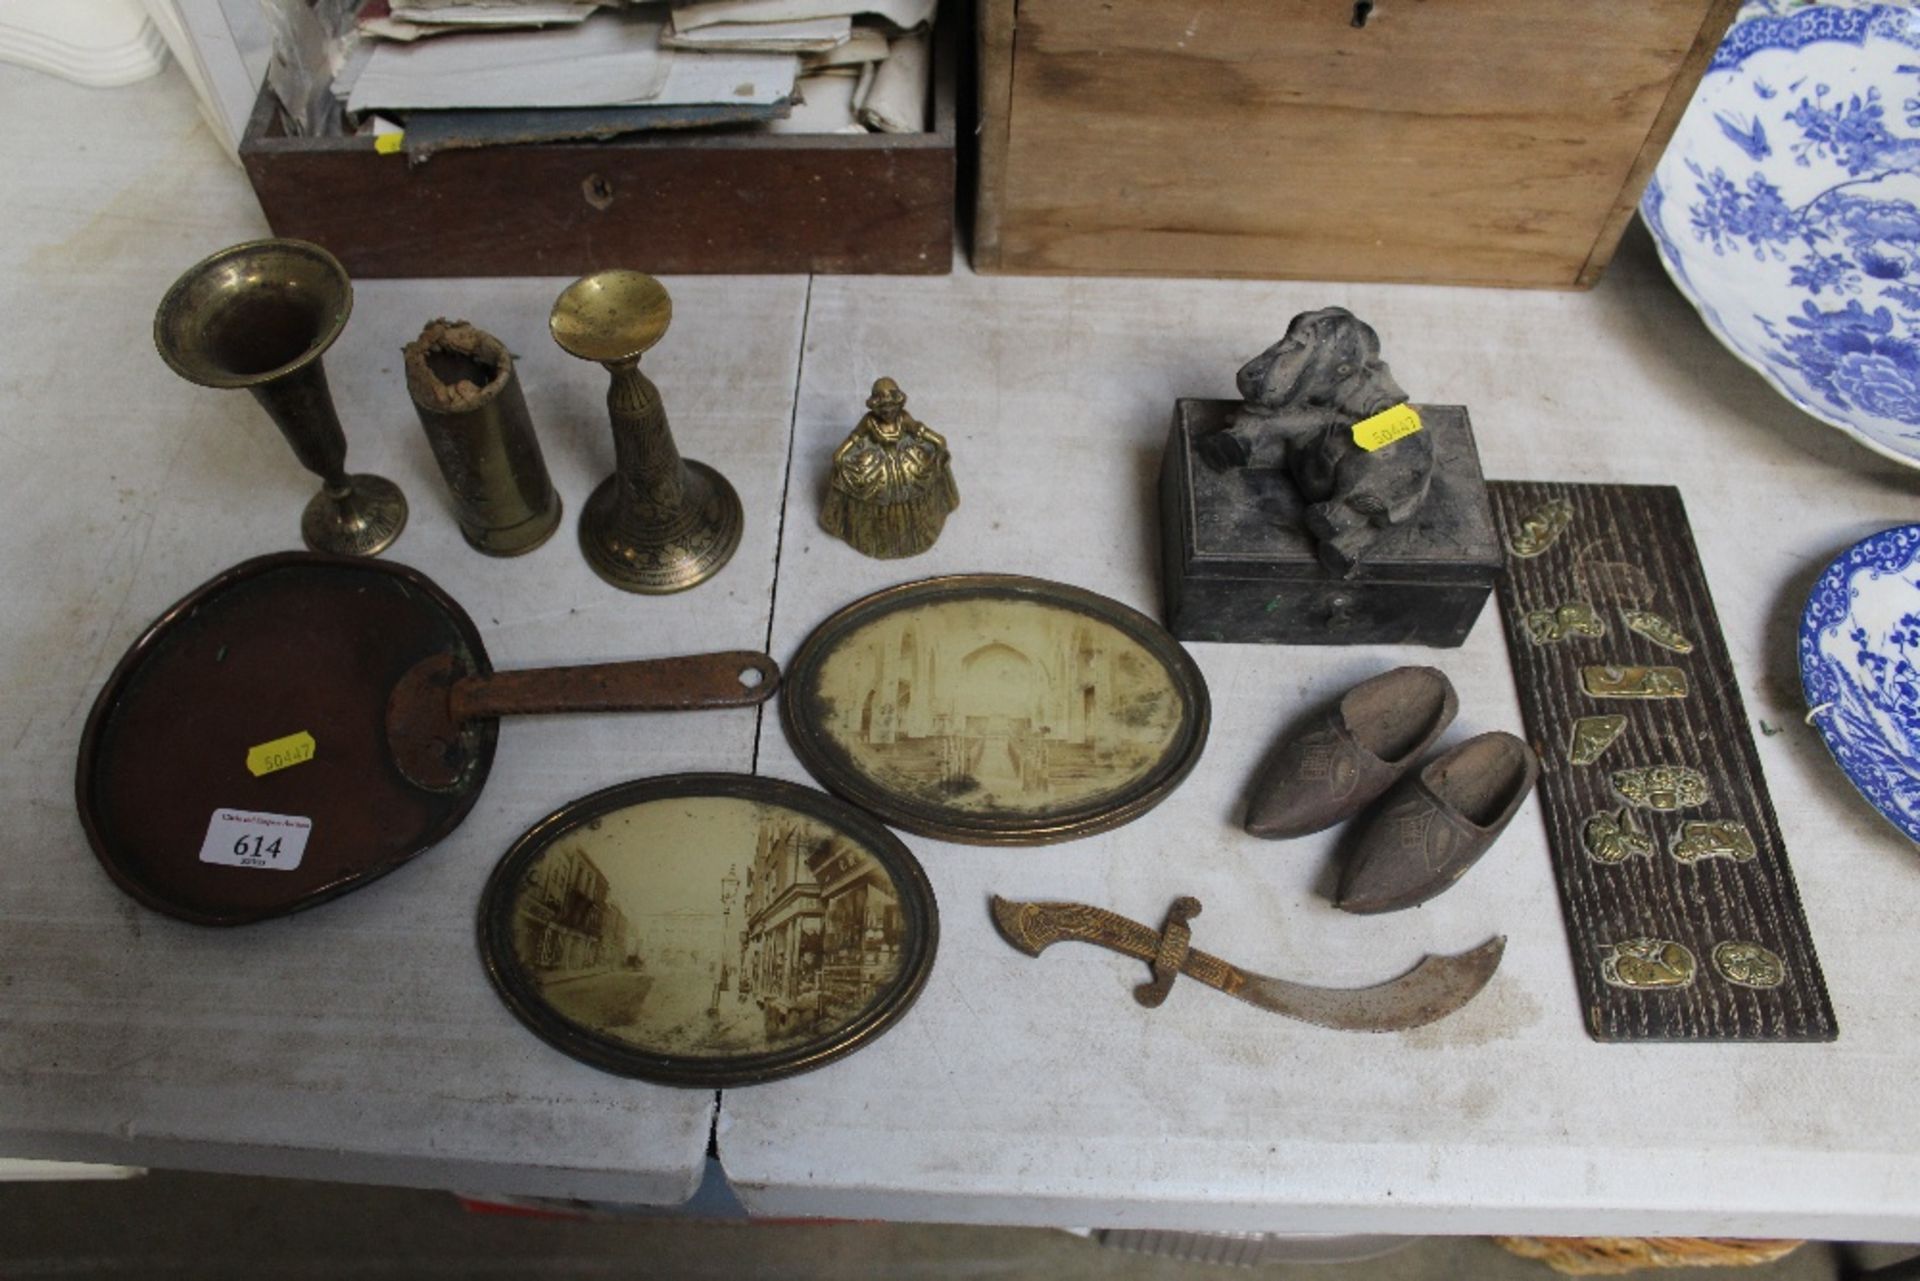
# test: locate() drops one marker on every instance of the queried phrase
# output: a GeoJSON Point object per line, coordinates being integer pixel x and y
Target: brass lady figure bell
{"type": "Point", "coordinates": [892, 484]}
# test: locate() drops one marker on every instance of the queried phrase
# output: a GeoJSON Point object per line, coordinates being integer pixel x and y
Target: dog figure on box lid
{"type": "Point", "coordinates": [1303, 396]}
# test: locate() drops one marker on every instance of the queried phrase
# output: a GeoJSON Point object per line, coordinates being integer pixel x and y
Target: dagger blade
{"type": "Point", "coordinates": [1431, 990]}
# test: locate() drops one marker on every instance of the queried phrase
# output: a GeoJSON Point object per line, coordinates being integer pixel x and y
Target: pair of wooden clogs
{"type": "Point", "coordinates": [1434, 821]}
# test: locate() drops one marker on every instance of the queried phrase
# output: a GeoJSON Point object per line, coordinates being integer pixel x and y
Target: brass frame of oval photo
{"type": "Point", "coordinates": [614, 937]}
{"type": "Point", "coordinates": [1082, 728]}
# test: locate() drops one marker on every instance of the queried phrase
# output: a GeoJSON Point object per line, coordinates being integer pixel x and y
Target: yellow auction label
{"type": "Point", "coordinates": [1386, 427]}
{"type": "Point", "coordinates": [389, 144]}
{"type": "Point", "coordinates": [294, 749]}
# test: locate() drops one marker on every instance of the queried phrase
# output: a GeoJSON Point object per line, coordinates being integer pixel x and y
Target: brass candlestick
{"type": "Point", "coordinates": [660, 523]}
{"type": "Point", "coordinates": [260, 315]}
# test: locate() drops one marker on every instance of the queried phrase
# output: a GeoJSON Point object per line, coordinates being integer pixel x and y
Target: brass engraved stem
{"type": "Point", "coordinates": [645, 459]}
{"type": "Point", "coordinates": [302, 408]}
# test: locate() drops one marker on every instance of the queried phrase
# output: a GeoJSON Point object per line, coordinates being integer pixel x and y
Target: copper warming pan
{"type": "Point", "coordinates": [345, 702]}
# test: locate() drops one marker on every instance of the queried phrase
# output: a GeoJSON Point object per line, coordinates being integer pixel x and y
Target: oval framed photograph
{"type": "Point", "coordinates": [708, 929]}
{"type": "Point", "coordinates": [992, 709]}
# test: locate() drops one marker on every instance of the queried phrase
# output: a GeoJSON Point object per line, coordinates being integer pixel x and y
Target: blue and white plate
{"type": "Point", "coordinates": [1860, 669]}
{"type": "Point", "coordinates": [1787, 209]}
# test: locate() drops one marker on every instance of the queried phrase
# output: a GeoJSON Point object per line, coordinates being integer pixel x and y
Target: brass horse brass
{"type": "Point", "coordinates": [1717, 839]}
{"type": "Point", "coordinates": [1615, 838]}
{"type": "Point", "coordinates": [1658, 630]}
{"type": "Point", "coordinates": [1634, 682]}
{"type": "Point", "coordinates": [1647, 962]}
{"type": "Point", "coordinates": [1661, 787]}
{"type": "Point", "coordinates": [1575, 618]}
{"type": "Point", "coordinates": [1748, 964]}
{"type": "Point", "coordinates": [1593, 735]}
{"type": "Point", "coordinates": [1542, 529]}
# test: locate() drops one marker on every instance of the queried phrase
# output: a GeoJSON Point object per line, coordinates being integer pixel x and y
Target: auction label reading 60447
{"type": "Point", "coordinates": [266, 758]}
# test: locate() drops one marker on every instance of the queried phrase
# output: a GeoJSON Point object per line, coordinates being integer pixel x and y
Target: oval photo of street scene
{"type": "Point", "coordinates": [992, 708]}
{"type": "Point", "coordinates": [709, 929]}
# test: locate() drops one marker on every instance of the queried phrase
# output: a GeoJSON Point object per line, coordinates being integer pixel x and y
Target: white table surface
{"type": "Point", "coordinates": [362, 1041]}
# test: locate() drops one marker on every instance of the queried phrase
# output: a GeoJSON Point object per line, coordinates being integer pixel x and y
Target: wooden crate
{"type": "Point", "coordinates": [668, 203]}
{"type": "Point", "coordinates": [1486, 142]}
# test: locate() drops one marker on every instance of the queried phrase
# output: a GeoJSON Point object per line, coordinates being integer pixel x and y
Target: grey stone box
{"type": "Point", "coordinates": [1237, 566]}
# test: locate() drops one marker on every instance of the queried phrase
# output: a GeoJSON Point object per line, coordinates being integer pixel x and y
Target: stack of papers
{"type": "Point", "coordinates": [903, 15]}
{"type": "Point", "coordinates": [830, 66]}
{"type": "Point", "coordinates": [868, 84]}
{"type": "Point", "coordinates": [412, 19]}
{"type": "Point", "coordinates": [808, 35]}
{"type": "Point", "coordinates": [612, 59]}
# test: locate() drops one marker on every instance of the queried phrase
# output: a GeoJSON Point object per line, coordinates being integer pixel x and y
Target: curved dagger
{"type": "Point", "coordinates": [1431, 990]}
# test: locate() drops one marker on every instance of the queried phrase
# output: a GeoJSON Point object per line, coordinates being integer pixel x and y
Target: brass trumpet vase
{"type": "Point", "coordinates": [259, 316]}
{"type": "Point", "coordinates": [660, 523]}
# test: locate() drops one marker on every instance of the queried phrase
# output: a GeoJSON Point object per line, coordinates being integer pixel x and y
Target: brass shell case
{"type": "Point", "coordinates": [467, 393]}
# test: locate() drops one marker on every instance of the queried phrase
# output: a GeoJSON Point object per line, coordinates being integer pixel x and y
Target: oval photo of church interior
{"type": "Point", "coordinates": [994, 709]}
{"type": "Point", "coordinates": [709, 929]}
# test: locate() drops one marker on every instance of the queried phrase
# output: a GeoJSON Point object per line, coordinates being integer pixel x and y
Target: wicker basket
{"type": "Point", "coordinates": [1608, 1256]}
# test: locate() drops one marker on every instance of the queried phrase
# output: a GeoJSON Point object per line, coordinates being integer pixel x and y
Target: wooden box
{"type": "Point", "coordinates": [1237, 567]}
{"type": "Point", "coordinates": [673, 202]}
{"type": "Point", "coordinates": [1485, 142]}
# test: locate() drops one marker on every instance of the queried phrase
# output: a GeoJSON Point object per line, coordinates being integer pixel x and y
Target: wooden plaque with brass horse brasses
{"type": "Point", "coordinates": [1681, 908]}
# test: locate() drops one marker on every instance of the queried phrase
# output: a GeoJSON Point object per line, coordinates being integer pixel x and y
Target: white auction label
{"type": "Point", "coordinates": [243, 838]}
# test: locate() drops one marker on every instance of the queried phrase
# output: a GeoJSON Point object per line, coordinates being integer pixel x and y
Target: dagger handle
{"type": "Point", "coordinates": [1175, 941]}
{"type": "Point", "coordinates": [1034, 927]}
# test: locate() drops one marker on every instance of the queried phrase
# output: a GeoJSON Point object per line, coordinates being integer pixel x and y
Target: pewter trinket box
{"type": "Point", "coordinates": [1239, 567]}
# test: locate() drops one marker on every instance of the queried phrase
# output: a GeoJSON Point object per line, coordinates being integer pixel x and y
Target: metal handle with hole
{"type": "Point", "coordinates": [735, 678]}
{"type": "Point", "coordinates": [432, 708]}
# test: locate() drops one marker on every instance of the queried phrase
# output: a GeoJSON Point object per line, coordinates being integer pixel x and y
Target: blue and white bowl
{"type": "Point", "coordinates": [1860, 669]}
{"type": "Point", "coordinates": [1787, 209]}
